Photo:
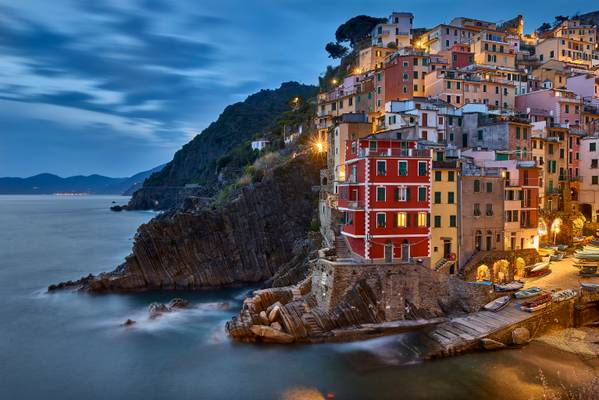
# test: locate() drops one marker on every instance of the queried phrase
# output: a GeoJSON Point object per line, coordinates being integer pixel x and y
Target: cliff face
{"type": "Point", "coordinates": [263, 230]}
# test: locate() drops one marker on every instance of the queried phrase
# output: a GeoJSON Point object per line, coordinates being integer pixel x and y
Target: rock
{"type": "Point", "coordinates": [264, 317]}
{"type": "Point", "coordinates": [271, 335]}
{"type": "Point", "coordinates": [118, 208]}
{"type": "Point", "coordinates": [277, 326]}
{"type": "Point", "coordinates": [520, 336]}
{"type": "Point", "coordinates": [274, 312]}
{"type": "Point", "coordinates": [241, 241]}
{"type": "Point", "coordinates": [178, 303]}
{"type": "Point", "coordinates": [490, 344]}
{"type": "Point", "coordinates": [157, 309]}
{"type": "Point", "coordinates": [129, 322]}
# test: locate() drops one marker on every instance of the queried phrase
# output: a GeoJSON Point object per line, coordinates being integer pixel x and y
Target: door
{"type": "Point", "coordinates": [405, 251]}
{"type": "Point", "coordinates": [388, 252]}
{"type": "Point", "coordinates": [446, 249]}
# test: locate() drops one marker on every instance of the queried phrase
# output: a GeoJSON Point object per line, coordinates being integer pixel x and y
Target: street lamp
{"type": "Point", "coordinates": [555, 229]}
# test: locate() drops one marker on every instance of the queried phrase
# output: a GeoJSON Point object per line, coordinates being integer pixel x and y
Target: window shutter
{"type": "Point", "coordinates": [408, 190]}
{"type": "Point", "coordinates": [396, 194]}
{"type": "Point", "coordinates": [407, 219]}
{"type": "Point", "coordinates": [428, 219]}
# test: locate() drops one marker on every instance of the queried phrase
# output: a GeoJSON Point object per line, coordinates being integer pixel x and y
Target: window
{"type": "Point", "coordinates": [401, 194]}
{"type": "Point", "coordinates": [372, 145]}
{"type": "Point", "coordinates": [437, 197]}
{"type": "Point", "coordinates": [421, 168]}
{"type": "Point", "coordinates": [422, 219]}
{"type": "Point", "coordinates": [476, 186]}
{"type": "Point", "coordinates": [561, 153]}
{"type": "Point", "coordinates": [450, 176]}
{"type": "Point", "coordinates": [594, 180]}
{"type": "Point", "coordinates": [592, 146]}
{"type": "Point", "coordinates": [476, 209]}
{"type": "Point", "coordinates": [489, 210]}
{"type": "Point", "coordinates": [349, 218]}
{"type": "Point", "coordinates": [517, 132]}
{"type": "Point", "coordinates": [402, 168]}
{"type": "Point", "coordinates": [594, 163]}
{"type": "Point", "coordinates": [480, 134]}
{"type": "Point", "coordinates": [402, 220]}
{"type": "Point", "coordinates": [437, 176]}
{"type": "Point", "coordinates": [450, 197]}
{"type": "Point", "coordinates": [489, 187]}
{"type": "Point", "coordinates": [381, 193]}
{"type": "Point", "coordinates": [381, 167]}
{"type": "Point", "coordinates": [452, 221]}
{"type": "Point", "coordinates": [381, 220]}
{"type": "Point", "coordinates": [437, 221]}
{"type": "Point", "coordinates": [421, 193]}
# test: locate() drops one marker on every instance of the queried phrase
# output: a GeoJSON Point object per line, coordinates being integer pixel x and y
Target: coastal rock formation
{"type": "Point", "coordinates": [375, 301]}
{"type": "Point", "coordinates": [261, 231]}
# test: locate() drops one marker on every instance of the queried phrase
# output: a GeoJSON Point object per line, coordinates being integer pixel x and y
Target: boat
{"type": "Point", "coordinates": [556, 257]}
{"type": "Point", "coordinates": [497, 304]}
{"type": "Point", "coordinates": [589, 286]}
{"type": "Point", "coordinates": [508, 287]}
{"type": "Point", "coordinates": [562, 247]}
{"type": "Point", "coordinates": [526, 293]}
{"type": "Point", "coordinates": [564, 295]}
{"type": "Point", "coordinates": [537, 269]}
{"type": "Point", "coordinates": [538, 303]}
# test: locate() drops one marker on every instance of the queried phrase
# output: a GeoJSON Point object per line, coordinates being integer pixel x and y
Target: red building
{"type": "Point", "coordinates": [459, 55]}
{"type": "Point", "coordinates": [386, 199]}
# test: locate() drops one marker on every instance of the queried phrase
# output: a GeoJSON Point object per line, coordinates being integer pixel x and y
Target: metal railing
{"type": "Point", "coordinates": [418, 153]}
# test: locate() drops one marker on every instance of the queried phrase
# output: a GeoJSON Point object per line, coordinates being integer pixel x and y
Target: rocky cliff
{"type": "Point", "coordinates": [217, 156]}
{"type": "Point", "coordinates": [372, 300]}
{"type": "Point", "coordinates": [261, 231]}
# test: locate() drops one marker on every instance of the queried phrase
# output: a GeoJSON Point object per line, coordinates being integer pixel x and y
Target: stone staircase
{"type": "Point", "coordinates": [311, 325]}
{"type": "Point", "coordinates": [341, 248]}
{"type": "Point", "coordinates": [442, 264]}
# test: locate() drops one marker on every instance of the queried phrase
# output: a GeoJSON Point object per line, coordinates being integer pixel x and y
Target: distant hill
{"type": "Point", "coordinates": [591, 17]}
{"type": "Point", "coordinates": [92, 184]}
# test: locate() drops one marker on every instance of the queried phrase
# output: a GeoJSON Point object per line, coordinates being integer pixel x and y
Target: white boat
{"type": "Point", "coordinates": [497, 304]}
{"type": "Point", "coordinates": [508, 287]}
{"type": "Point", "coordinates": [538, 268]}
{"type": "Point", "coordinates": [564, 295]}
{"type": "Point", "coordinates": [589, 286]}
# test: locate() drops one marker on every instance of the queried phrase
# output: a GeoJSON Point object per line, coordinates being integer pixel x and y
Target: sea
{"type": "Point", "coordinates": [73, 346]}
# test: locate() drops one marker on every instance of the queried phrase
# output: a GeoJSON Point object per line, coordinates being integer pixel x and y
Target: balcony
{"type": "Point", "coordinates": [412, 153]}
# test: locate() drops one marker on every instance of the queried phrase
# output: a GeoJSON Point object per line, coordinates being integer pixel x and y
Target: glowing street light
{"type": "Point", "coordinates": [334, 81]}
{"type": "Point", "coordinates": [555, 229]}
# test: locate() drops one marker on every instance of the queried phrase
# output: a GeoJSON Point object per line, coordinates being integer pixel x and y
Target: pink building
{"type": "Point", "coordinates": [563, 106]}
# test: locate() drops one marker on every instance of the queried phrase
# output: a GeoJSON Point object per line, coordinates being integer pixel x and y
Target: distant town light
{"type": "Point", "coordinates": [334, 81]}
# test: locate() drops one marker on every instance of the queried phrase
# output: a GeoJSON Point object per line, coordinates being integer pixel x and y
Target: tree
{"type": "Point", "coordinates": [559, 19]}
{"type": "Point", "coordinates": [336, 50]}
{"type": "Point", "coordinates": [356, 29]}
{"type": "Point", "coordinates": [543, 28]}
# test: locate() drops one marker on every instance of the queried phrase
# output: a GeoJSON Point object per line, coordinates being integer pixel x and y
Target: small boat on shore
{"type": "Point", "coordinates": [589, 286]}
{"type": "Point", "coordinates": [497, 304]}
{"type": "Point", "coordinates": [540, 268]}
{"type": "Point", "coordinates": [526, 293]}
{"type": "Point", "coordinates": [556, 257]}
{"type": "Point", "coordinates": [538, 303]}
{"type": "Point", "coordinates": [564, 295]}
{"type": "Point", "coordinates": [508, 287]}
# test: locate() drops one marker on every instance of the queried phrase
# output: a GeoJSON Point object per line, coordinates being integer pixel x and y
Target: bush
{"type": "Point", "coordinates": [315, 225]}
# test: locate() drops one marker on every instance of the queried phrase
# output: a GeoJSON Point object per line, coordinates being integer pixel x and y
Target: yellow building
{"type": "Point", "coordinates": [444, 214]}
{"type": "Point", "coordinates": [492, 48]}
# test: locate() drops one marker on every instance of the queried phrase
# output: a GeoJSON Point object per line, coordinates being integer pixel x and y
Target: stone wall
{"type": "Point", "coordinates": [488, 258]}
{"type": "Point", "coordinates": [404, 291]}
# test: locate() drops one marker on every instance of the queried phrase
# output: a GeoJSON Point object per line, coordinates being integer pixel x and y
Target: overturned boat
{"type": "Point", "coordinates": [497, 304]}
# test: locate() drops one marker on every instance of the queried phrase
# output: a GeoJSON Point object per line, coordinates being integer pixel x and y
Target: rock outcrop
{"type": "Point", "coordinates": [375, 302]}
{"type": "Point", "coordinates": [261, 231]}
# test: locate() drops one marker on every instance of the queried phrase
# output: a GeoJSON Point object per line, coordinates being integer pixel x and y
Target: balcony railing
{"type": "Point", "coordinates": [416, 153]}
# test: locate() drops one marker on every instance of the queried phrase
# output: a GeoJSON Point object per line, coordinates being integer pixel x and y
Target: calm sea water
{"type": "Point", "coordinates": [71, 346]}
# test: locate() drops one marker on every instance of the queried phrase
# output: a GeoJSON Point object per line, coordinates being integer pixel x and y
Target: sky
{"type": "Point", "coordinates": [116, 87]}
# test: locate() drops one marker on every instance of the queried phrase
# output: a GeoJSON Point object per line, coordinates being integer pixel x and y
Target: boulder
{"type": "Point", "coordinates": [264, 318]}
{"type": "Point", "coordinates": [129, 322]}
{"type": "Point", "coordinates": [490, 344]}
{"type": "Point", "coordinates": [178, 303]}
{"type": "Point", "coordinates": [274, 312]}
{"type": "Point", "coordinates": [520, 336]}
{"type": "Point", "coordinates": [271, 335]}
{"type": "Point", "coordinates": [277, 326]}
{"type": "Point", "coordinates": [156, 309]}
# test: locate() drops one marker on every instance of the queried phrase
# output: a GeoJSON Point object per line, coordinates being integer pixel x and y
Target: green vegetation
{"type": "Point", "coordinates": [226, 142]}
{"type": "Point", "coordinates": [315, 225]}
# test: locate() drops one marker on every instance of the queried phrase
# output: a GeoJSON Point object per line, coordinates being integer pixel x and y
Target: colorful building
{"type": "Point", "coordinates": [386, 199]}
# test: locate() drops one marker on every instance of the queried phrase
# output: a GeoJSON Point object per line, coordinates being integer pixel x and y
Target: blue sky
{"type": "Point", "coordinates": [116, 87]}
